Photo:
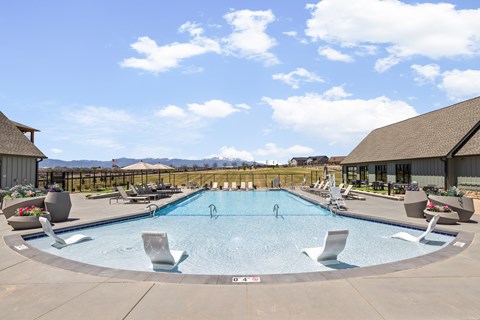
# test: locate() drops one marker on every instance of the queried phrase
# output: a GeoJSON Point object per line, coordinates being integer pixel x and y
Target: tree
{"type": "Point", "coordinates": [215, 165]}
{"type": "Point", "coordinates": [206, 166]}
{"type": "Point", "coordinates": [234, 164]}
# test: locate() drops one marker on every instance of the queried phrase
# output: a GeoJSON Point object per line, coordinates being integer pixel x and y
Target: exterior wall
{"type": "Point", "coordinates": [428, 171]}
{"type": "Point", "coordinates": [17, 170]}
{"type": "Point", "coordinates": [467, 171]}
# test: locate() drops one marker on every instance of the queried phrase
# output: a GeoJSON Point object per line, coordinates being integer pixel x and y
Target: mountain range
{"type": "Point", "coordinates": [122, 162]}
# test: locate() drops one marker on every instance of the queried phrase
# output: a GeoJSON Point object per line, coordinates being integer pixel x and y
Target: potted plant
{"type": "Point", "coordinates": [58, 203]}
{"type": "Point", "coordinates": [415, 201]}
{"type": "Point", "coordinates": [27, 217]}
{"type": "Point", "coordinates": [454, 199]}
{"type": "Point", "coordinates": [447, 216]}
{"type": "Point", "coordinates": [21, 196]}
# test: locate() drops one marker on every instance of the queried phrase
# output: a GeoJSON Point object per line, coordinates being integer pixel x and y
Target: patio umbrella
{"type": "Point", "coordinates": [332, 181]}
{"type": "Point", "coordinates": [325, 173]}
{"type": "Point", "coordinates": [139, 166]}
{"type": "Point", "coordinates": [161, 166]}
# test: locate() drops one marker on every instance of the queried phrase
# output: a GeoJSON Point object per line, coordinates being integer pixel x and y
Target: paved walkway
{"type": "Point", "coordinates": [448, 289]}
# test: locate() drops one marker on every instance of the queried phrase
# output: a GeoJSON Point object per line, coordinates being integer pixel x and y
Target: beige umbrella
{"type": "Point", "coordinates": [161, 166]}
{"type": "Point", "coordinates": [139, 166]}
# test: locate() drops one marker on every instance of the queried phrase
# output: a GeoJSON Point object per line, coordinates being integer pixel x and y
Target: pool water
{"type": "Point", "coordinates": [244, 237]}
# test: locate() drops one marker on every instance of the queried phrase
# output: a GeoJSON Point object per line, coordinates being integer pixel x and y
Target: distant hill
{"type": "Point", "coordinates": [122, 162]}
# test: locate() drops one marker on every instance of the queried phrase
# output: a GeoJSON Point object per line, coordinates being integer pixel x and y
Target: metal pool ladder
{"type": "Point", "coordinates": [152, 207]}
{"type": "Point", "coordinates": [275, 209]}
{"type": "Point", "coordinates": [213, 210]}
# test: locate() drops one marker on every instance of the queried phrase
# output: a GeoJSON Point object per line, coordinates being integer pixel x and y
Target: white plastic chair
{"type": "Point", "coordinates": [333, 245]}
{"type": "Point", "coordinates": [156, 247]}
{"type": "Point", "coordinates": [215, 186]}
{"type": "Point", "coordinates": [336, 198]}
{"type": "Point", "coordinates": [225, 186]}
{"type": "Point", "coordinates": [234, 186]}
{"type": "Point", "coordinates": [250, 185]}
{"type": "Point", "coordinates": [60, 242]}
{"type": "Point", "coordinates": [408, 237]}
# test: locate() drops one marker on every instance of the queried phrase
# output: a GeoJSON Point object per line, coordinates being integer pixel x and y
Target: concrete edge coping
{"type": "Point", "coordinates": [461, 242]}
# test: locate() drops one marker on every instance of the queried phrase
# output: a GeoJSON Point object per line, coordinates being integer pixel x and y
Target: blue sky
{"type": "Point", "coordinates": [257, 80]}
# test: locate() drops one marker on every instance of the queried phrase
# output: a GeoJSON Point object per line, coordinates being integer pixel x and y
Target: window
{"type": "Point", "coordinates": [364, 173]}
{"type": "Point", "coordinates": [351, 173]}
{"type": "Point", "coordinates": [402, 173]}
{"type": "Point", "coordinates": [381, 173]}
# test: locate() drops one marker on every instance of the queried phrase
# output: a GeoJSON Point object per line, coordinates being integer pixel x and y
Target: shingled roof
{"type": "Point", "coordinates": [14, 142]}
{"type": "Point", "coordinates": [431, 135]}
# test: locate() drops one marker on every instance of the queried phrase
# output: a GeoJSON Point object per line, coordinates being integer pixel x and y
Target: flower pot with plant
{"type": "Point", "coordinates": [27, 217]}
{"type": "Point", "coordinates": [58, 203]}
{"type": "Point", "coordinates": [447, 216]}
{"type": "Point", "coordinates": [21, 196]}
{"type": "Point", "coordinates": [454, 199]}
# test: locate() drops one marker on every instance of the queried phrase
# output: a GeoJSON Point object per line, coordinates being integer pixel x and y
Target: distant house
{"type": "Point", "coordinates": [439, 148]}
{"type": "Point", "coordinates": [317, 160]}
{"type": "Point", "coordinates": [298, 161]}
{"type": "Point", "coordinates": [336, 160]}
{"type": "Point", "coordinates": [19, 157]}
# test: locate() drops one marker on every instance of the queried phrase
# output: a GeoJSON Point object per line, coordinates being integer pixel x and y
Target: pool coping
{"type": "Point", "coordinates": [18, 244]}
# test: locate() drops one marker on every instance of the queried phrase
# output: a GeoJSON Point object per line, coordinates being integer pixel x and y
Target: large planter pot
{"type": "Point", "coordinates": [10, 205]}
{"type": "Point", "coordinates": [414, 203]}
{"type": "Point", "coordinates": [59, 205]}
{"type": "Point", "coordinates": [445, 217]}
{"type": "Point", "coordinates": [462, 205]}
{"type": "Point", "coordinates": [26, 222]}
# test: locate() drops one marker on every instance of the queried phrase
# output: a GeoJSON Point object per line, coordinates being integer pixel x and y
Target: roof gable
{"type": "Point", "coordinates": [13, 141]}
{"type": "Point", "coordinates": [433, 134]}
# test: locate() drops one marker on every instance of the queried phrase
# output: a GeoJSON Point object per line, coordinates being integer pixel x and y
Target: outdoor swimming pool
{"type": "Point", "coordinates": [244, 237]}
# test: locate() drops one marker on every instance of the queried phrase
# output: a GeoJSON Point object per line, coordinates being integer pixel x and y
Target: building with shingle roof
{"type": "Point", "coordinates": [298, 161]}
{"type": "Point", "coordinates": [19, 157]}
{"type": "Point", "coordinates": [439, 148]}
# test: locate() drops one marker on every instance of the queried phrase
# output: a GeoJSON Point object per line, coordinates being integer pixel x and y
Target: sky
{"type": "Point", "coordinates": [255, 80]}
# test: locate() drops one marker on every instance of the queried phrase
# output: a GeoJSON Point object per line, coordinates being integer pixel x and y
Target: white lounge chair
{"type": "Point", "coordinates": [156, 247]}
{"type": "Point", "coordinates": [225, 186]}
{"type": "Point", "coordinates": [250, 185]}
{"type": "Point", "coordinates": [242, 185]}
{"type": "Point", "coordinates": [215, 186]}
{"type": "Point", "coordinates": [60, 242]}
{"type": "Point", "coordinates": [234, 186]}
{"type": "Point", "coordinates": [125, 197]}
{"type": "Point", "coordinates": [336, 198]}
{"type": "Point", "coordinates": [408, 237]}
{"type": "Point", "coordinates": [348, 195]}
{"type": "Point", "coordinates": [333, 245]}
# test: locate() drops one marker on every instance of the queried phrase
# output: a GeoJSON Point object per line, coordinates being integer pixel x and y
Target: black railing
{"type": "Point", "coordinates": [77, 181]}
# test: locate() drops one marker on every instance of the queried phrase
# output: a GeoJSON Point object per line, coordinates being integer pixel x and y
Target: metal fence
{"type": "Point", "coordinates": [101, 180]}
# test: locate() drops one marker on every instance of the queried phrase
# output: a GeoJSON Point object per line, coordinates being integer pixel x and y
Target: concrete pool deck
{"type": "Point", "coordinates": [447, 289]}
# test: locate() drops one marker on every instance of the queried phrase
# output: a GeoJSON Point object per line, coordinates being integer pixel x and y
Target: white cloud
{"type": "Point", "coordinates": [349, 120]}
{"type": "Point", "coordinates": [93, 116]}
{"type": "Point", "coordinates": [382, 65]}
{"type": "Point", "coordinates": [336, 93]}
{"type": "Point", "coordinates": [294, 78]}
{"type": "Point", "coordinates": [243, 106]}
{"type": "Point", "coordinates": [460, 85]}
{"type": "Point", "coordinates": [271, 152]}
{"type": "Point", "coordinates": [249, 39]}
{"type": "Point", "coordinates": [334, 55]}
{"type": "Point", "coordinates": [232, 153]}
{"type": "Point", "coordinates": [426, 73]}
{"type": "Point", "coordinates": [294, 34]}
{"type": "Point", "coordinates": [433, 30]}
{"type": "Point", "coordinates": [163, 58]}
{"type": "Point", "coordinates": [171, 111]}
{"type": "Point", "coordinates": [56, 151]}
{"type": "Point", "coordinates": [212, 109]}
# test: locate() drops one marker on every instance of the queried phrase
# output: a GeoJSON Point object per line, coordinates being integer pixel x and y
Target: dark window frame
{"type": "Point", "coordinates": [403, 173]}
{"type": "Point", "coordinates": [381, 172]}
